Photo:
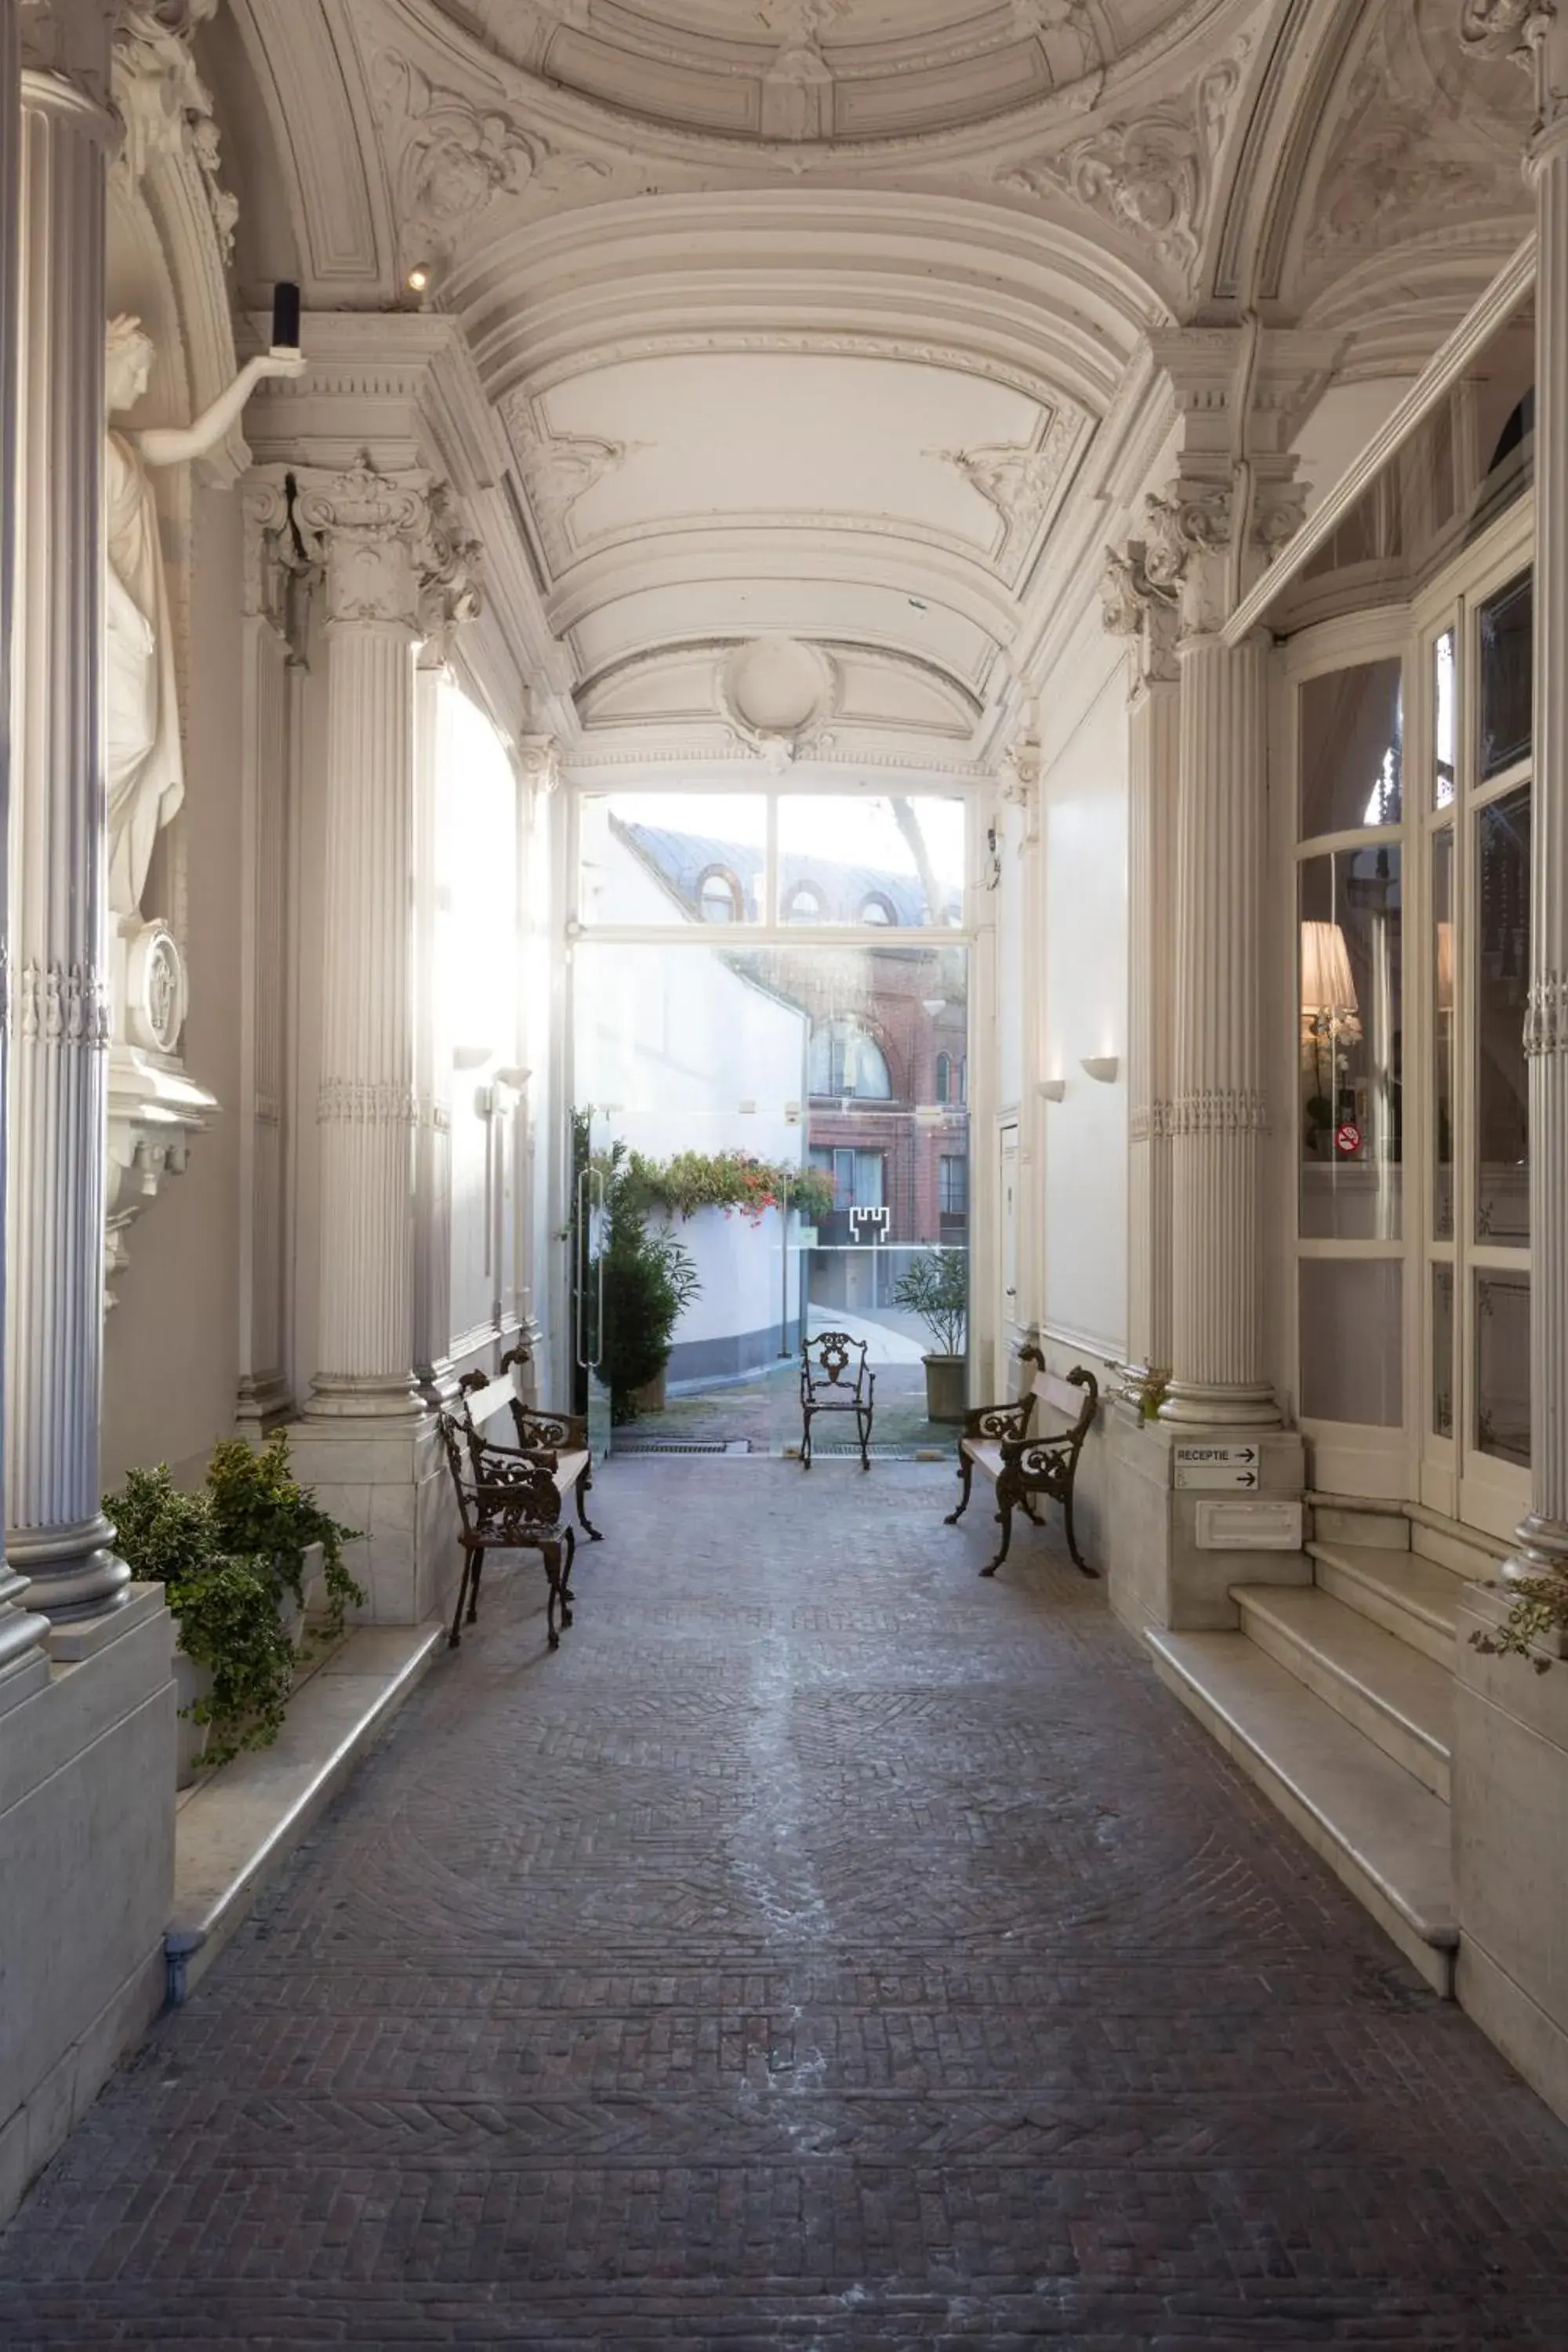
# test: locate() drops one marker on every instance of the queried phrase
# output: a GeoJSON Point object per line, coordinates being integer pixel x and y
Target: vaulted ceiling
{"type": "Point", "coordinates": [818, 328]}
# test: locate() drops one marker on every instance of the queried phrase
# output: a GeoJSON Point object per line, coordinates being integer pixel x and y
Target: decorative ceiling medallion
{"type": "Point", "coordinates": [778, 695]}
{"type": "Point", "coordinates": [815, 73]}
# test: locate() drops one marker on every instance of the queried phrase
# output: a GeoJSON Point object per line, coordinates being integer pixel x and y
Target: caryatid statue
{"type": "Point", "coordinates": [145, 764]}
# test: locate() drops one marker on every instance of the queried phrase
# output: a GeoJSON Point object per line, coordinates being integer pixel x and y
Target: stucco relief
{"type": "Point", "coordinates": [1151, 176]}
{"type": "Point", "coordinates": [1020, 482]}
{"type": "Point", "coordinates": [164, 104]}
{"type": "Point", "coordinates": [557, 469]}
{"type": "Point", "coordinates": [1418, 136]}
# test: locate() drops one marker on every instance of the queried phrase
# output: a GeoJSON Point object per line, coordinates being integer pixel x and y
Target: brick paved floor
{"type": "Point", "coordinates": [824, 1950]}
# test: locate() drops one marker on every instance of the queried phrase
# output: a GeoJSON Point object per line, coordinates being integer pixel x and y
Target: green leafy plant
{"type": "Point", "coordinates": [694, 1181]}
{"type": "Point", "coordinates": [261, 1511]}
{"type": "Point", "coordinates": [226, 1608]}
{"type": "Point", "coordinates": [1537, 1614]}
{"type": "Point", "coordinates": [649, 1278]}
{"type": "Point", "coordinates": [935, 1286]}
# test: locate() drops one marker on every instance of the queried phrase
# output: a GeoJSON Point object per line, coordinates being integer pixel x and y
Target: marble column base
{"type": "Point", "coordinates": [73, 1572]}
{"type": "Point", "coordinates": [389, 1481]}
{"type": "Point", "coordinates": [349, 1397]}
{"type": "Point", "coordinates": [1189, 1406]}
{"type": "Point", "coordinates": [1542, 1551]}
{"type": "Point", "coordinates": [86, 1826]}
{"type": "Point", "coordinates": [1158, 1573]}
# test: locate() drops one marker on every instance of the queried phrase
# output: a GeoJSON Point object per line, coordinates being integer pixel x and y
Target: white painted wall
{"type": "Point", "coordinates": [172, 1344]}
{"type": "Point", "coordinates": [1082, 1175]}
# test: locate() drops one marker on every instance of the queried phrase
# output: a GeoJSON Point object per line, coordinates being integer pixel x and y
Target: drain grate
{"type": "Point", "coordinates": [674, 1445]}
{"type": "Point", "coordinates": [852, 1453]}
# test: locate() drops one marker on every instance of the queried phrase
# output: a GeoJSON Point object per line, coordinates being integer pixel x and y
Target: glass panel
{"type": "Point", "coordinates": [898, 863]}
{"type": "Point", "coordinates": [1353, 1338]}
{"type": "Point", "coordinates": [1442, 1350]}
{"type": "Point", "coordinates": [1352, 1025]}
{"type": "Point", "coordinates": [1502, 1367]}
{"type": "Point", "coordinates": [1443, 1035]}
{"type": "Point", "coordinates": [673, 857]}
{"type": "Point", "coordinates": [1503, 980]}
{"type": "Point", "coordinates": [794, 1211]}
{"type": "Point", "coordinates": [1507, 632]}
{"type": "Point", "coordinates": [1351, 748]}
{"type": "Point", "coordinates": [1444, 713]}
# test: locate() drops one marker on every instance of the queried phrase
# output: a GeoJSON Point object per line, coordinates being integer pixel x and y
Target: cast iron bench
{"type": "Point", "coordinates": [506, 1501]}
{"type": "Point", "coordinates": [827, 1385]}
{"type": "Point", "coordinates": [998, 1443]}
{"type": "Point", "coordinates": [563, 1434]}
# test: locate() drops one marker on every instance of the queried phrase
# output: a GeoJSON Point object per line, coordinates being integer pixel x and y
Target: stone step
{"type": "Point", "coordinates": [233, 1832]}
{"type": "Point", "coordinates": [1383, 1835]}
{"type": "Point", "coordinates": [1412, 1597]}
{"type": "Point", "coordinates": [1401, 1701]}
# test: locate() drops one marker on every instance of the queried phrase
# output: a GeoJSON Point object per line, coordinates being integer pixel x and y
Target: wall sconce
{"type": "Point", "coordinates": [1053, 1089]}
{"type": "Point", "coordinates": [1103, 1066]}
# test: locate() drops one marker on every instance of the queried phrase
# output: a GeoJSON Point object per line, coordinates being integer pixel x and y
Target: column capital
{"type": "Point", "coordinates": [366, 529]}
{"type": "Point", "coordinates": [1137, 607]}
{"type": "Point", "coordinates": [1531, 34]}
{"type": "Point", "coordinates": [70, 40]}
{"type": "Point", "coordinates": [1018, 781]}
{"type": "Point", "coordinates": [539, 757]}
{"type": "Point", "coordinates": [1208, 534]}
{"type": "Point", "coordinates": [448, 563]}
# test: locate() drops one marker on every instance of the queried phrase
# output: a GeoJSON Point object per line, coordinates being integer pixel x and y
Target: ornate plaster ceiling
{"type": "Point", "coordinates": [823, 70]}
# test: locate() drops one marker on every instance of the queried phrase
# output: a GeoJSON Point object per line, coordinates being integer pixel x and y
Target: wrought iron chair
{"type": "Point", "coordinates": [554, 1432]}
{"type": "Point", "coordinates": [506, 1501]}
{"type": "Point", "coordinates": [828, 1384]}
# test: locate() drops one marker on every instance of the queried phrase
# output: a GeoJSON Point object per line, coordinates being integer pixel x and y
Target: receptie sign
{"type": "Point", "coordinates": [1232, 1469]}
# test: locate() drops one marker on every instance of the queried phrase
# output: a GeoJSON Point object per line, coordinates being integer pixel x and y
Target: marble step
{"type": "Point", "coordinates": [1408, 1596]}
{"type": "Point", "coordinates": [1385, 1836]}
{"type": "Point", "coordinates": [233, 1832]}
{"type": "Point", "coordinates": [1400, 1700]}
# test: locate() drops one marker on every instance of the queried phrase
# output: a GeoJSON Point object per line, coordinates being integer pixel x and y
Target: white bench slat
{"type": "Point", "coordinates": [486, 1403]}
{"type": "Point", "coordinates": [569, 1468]}
{"type": "Point", "coordinates": [985, 1453]}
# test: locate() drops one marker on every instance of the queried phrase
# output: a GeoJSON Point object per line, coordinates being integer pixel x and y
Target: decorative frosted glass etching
{"type": "Point", "coordinates": [1443, 1351]}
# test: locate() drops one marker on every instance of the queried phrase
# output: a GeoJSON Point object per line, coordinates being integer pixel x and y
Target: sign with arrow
{"type": "Point", "coordinates": [1230, 1467]}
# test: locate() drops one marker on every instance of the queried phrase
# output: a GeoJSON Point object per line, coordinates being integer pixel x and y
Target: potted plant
{"type": "Point", "coordinates": [649, 1278]}
{"type": "Point", "coordinates": [261, 1511]}
{"type": "Point", "coordinates": [935, 1286]}
{"type": "Point", "coordinates": [234, 1667]}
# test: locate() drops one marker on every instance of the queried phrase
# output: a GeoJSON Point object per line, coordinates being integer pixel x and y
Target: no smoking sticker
{"type": "Point", "coordinates": [1348, 1139]}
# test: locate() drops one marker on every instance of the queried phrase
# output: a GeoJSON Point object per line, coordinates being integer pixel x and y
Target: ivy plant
{"type": "Point", "coordinates": [226, 1607]}
{"type": "Point", "coordinates": [1537, 1614]}
{"type": "Point", "coordinates": [260, 1510]}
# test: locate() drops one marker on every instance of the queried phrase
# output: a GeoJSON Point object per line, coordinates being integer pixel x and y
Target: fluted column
{"type": "Point", "coordinates": [55, 1223]}
{"type": "Point", "coordinates": [369, 527]}
{"type": "Point", "coordinates": [1218, 1116]}
{"type": "Point", "coordinates": [1134, 609]}
{"type": "Point", "coordinates": [1543, 1536]}
{"type": "Point", "coordinates": [433, 1045]}
{"type": "Point", "coordinates": [23, 1664]}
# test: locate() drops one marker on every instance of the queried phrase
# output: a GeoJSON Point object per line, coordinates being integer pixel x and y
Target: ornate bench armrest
{"type": "Point", "coordinates": [568, 1432]}
{"type": "Point", "coordinates": [1004, 1421]}
{"type": "Point", "coordinates": [1034, 1456]}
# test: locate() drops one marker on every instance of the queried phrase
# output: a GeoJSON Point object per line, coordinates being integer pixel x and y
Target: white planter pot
{"type": "Point", "coordinates": [313, 1580]}
{"type": "Point", "coordinates": [191, 1683]}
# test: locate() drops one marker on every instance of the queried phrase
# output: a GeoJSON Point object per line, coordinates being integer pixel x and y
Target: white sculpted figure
{"type": "Point", "coordinates": [146, 769]}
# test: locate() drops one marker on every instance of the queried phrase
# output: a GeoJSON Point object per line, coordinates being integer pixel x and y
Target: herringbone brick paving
{"type": "Point", "coordinates": [823, 1949]}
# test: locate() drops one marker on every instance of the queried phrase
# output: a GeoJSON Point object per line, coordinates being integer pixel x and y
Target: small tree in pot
{"type": "Point", "coordinates": [935, 1286]}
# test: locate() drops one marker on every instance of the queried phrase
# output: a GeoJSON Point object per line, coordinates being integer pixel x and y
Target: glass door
{"type": "Point", "coordinates": [1476, 1447]}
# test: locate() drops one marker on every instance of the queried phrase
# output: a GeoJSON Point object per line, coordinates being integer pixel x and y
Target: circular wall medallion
{"type": "Point", "coordinates": [777, 690]}
{"type": "Point", "coordinates": [155, 989]}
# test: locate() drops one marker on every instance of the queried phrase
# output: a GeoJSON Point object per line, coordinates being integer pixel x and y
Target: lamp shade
{"type": "Point", "coordinates": [1326, 986]}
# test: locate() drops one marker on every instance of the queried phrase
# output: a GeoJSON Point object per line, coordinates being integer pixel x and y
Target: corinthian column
{"type": "Point", "coordinates": [370, 527]}
{"type": "Point", "coordinates": [23, 1664]}
{"type": "Point", "coordinates": [1218, 1114]}
{"type": "Point", "coordinates": [55, 1230]}
{"type": "Point", "coordinates": [1536, 34]}
{"type": "Point", "coordinates": [1135, 608]}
